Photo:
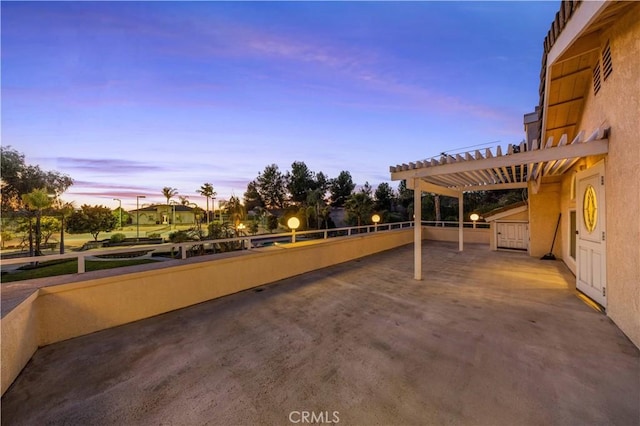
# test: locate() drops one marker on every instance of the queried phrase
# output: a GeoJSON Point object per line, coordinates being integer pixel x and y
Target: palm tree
{"type": "Point", "coordinates": [36, 200]}
{"type": "Point", "coordinates": [184, 200]}
{"type": "Point", "coordinates": [359, 206]}
{"type": "Point", "coordinates": [315, 200]}
{"type": "Point", "coordinates": [65, 210]}
{"type": "Point", "coordinates": [206, 190]}
{"type": "Point", "coordinates": [169, 193]}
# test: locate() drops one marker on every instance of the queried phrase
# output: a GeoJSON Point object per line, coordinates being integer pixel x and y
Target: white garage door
{"type": "Point", "coordinates": [512, 235]}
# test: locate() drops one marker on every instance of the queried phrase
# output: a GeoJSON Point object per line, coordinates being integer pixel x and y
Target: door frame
{"type": "Point", "coordinates": [568, 260]}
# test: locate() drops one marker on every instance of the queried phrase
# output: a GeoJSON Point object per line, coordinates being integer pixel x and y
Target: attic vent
{"type": "Point", "coordinates": [596, 78]}
{"type": "Point", "coordinates": [607, 66]}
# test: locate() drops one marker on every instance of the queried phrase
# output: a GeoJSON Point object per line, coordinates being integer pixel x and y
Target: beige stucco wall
{"type": "Point", "coordinates": [617, 104]}
{"type": "Point", "coordinates": [470, 235]}
{"type": "Point", "coordinates": [64, 311]}
{"type": "Point", "coordinates": [19, 339]}
{"type": "Point", "coordinates": [151, 217]}
{"type": "Point", "coordinates": [544, 208]}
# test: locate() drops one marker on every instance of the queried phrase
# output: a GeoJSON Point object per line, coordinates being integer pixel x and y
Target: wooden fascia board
{"type": "Point", "coordinates": [536, 156]}
{"type": "Point", "coordinates": [576, 26]}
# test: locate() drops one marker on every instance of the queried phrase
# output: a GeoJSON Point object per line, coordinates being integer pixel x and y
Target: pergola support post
{"type": "Point", "coordinates": [417, 230]}
{"type": "Point", "coordinates": [461, 221]}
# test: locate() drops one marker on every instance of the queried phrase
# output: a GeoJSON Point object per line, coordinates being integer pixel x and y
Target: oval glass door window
{"type": "Point", "coordinates": [590, 208]}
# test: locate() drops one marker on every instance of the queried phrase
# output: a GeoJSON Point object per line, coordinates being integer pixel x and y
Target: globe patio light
{"type": "Point", "coordinates": [474, 218]}
{"type": "Point", "coordinates": [375, 219]}
{"type": "Point", "coordinates": [240, 230]}
{"type": "Point", "coordinates": [293, 223]}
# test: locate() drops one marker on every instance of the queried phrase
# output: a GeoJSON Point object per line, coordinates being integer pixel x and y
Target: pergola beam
{"type": "Point", "coordinates": [595, 147]}
{"type": "Point", "coordinates": [425, 186]}
{"type": "Point", "coordinates": [496, 186]}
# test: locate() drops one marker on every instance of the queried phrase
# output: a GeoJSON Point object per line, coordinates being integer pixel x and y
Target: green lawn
{"type": "Point", "coordinates": [57, 267]}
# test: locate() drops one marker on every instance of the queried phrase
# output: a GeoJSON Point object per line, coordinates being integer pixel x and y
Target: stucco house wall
{"type": "Point", "coordinates": [544, 209]}
{"type": "Point", "coordinates": [153, 216]}
{"type": "Point", "coordinates": [616, 105]}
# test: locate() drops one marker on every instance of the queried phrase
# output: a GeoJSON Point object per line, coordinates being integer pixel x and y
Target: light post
{"type": "Point", "coordinates": [196, 215]}
{"type": "Point", "coordinates": [221, 203]}
{"type": "Point", "coordinates": [375, 219]}
{"type": "Point", "coordinates": [120, 210]}
{"type": "Point", "coordinates": [474, 217]}
{"type": "Point", "coordinates": [239, 229]}
{"type": "Point", "coordinates": [293, 223]}
{"type": "Point", "coordinates": [138, 216]}
{"type": "Point", "coordinates": [173, 211]}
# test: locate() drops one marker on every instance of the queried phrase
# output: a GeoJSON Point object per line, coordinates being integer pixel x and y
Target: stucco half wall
{"type": "Point", "coordinates": [64, 311]}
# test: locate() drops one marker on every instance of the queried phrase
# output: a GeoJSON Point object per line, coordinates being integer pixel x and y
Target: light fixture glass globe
{"type": "Point", "coordinates": [293, 223]}
{"type": "Point", "coordinates": [375, 218]}
{"type": "Point", "coordinates": [474, 217]}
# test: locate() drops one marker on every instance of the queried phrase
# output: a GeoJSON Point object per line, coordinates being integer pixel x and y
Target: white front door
{"type": "Point", "coordinates": [591, 246]}
{"type": "Point", "coordinates": [512, 235]}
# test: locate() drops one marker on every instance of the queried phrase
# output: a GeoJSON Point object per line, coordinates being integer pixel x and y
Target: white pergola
{"type": "Point", "coordinates": [452, 175]}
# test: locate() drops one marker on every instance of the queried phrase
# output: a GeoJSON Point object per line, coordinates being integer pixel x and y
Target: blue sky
{"type": "Point", "coordinates": [129, 97]}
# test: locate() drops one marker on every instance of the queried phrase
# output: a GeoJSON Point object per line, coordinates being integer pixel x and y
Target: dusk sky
{"type": "Point", "coordinates": [129, 97]}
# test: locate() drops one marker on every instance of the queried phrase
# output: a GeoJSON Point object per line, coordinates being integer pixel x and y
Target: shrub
{"type": "Point", "coordinates": [272, 223]}
{"type": "Point", "coordinates": [179, 237]}
{"type": "Point", "coordinates": [118, 238]}
{"type": "Point", "coordinates": [154, 235]}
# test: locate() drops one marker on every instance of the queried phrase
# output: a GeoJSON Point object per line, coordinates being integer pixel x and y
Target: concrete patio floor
{"type": "Point", "coordinates": [487, 338]}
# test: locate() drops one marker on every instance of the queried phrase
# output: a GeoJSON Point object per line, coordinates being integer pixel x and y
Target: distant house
{"type": "Point", "coordinates": [580, 162]}
{"type": "Point", "coordinates": [164, 214]}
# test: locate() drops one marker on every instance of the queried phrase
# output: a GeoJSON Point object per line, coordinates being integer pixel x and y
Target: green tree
{"type": "Point", "coordinates": [36, 201]}
{"type": "Point", "coordinates": [235, 210]}
{"type": "Point", "coordinates": [383, 197]}
{"type": "Point", "coordinates": [272, 188]}
{"type": "Point", "coordinates": [315, 201]}
{"type": "Point", "coordinates": [300, 181]}
{"type": "Point", "coordinates": [367, 189]}
{"type": "Point", "coordinates": [92, 220]}
{"type": "Point", "coordinates": [119, 212]}
{"type": "Point", "coordinates": [49, 226]}
{"type": "Point", "coordinates": [359, 208]}
{"type": "Point", "coordinates": [252, 198]}
{"type": "Point", "coordinates": [322, 183]}
{"type": "Point", "coordinates": [64, 211]}
{"type": "Point", "coordinates": [272, 222]}
{"type": "Point", "coordinates": [184, 200]}
{"type": "Point", "coordinates": [341, 188]}
{"type": "Point", "coordinates": [19, 178]}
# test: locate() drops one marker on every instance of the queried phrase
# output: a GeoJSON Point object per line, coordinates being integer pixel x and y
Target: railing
{"type": "Point", "coordinates": [206, 247]}
{"type": "Point", "coordinates": [452, 224]}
